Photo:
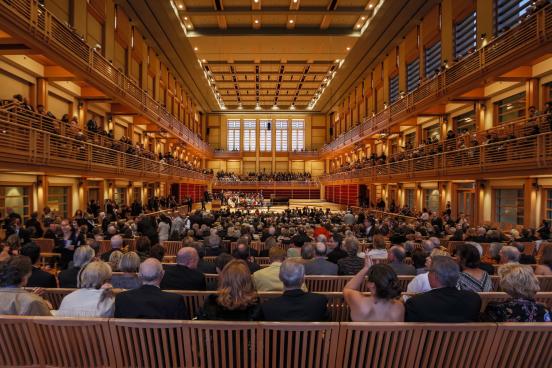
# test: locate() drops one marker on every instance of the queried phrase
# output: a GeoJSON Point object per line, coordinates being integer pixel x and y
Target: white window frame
{"type": "Point", "coordinates": [249, 135]}
{"type": "Point", "coordinates": [265, 135]}
{"type": "Point", "coordinates": [298, 134]}
{"type": "Point", "coordinates": [233, 140]}
{"type": "Point", "coordinates": [282, 126]}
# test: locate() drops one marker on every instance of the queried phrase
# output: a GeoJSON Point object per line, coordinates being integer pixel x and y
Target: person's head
{"type": "Point", "coordinates": [468, 256]}
{"type": "Point", "coordinates": [396, 253]}
{"type": "Point", "coordinates": [351, 245]}
{"type": "Point", "coordinates": [66, 226]}
{"type": "Point", "coordinates": [378, 242]}
{"type": "Point", "coordinates": [509, 254]}
{"type": "Point", "coordinates": [94, 275]}
{"type": "Point", "coordinates": [115, 259]}
{"type": "Point", "coordinates": [15, 271]}
{"type": "Point", "coordinates": [518, 281]}
{"type": "Point", "coordinates": [188, 257]}
{"type": "Point", "coordinates": [221, 261]}
{"type": "Point", "coordinates": [130, 262]}
{"type": "Point", "coordinates": [436, 242]}
{"type": "Point", "coordinates": [419, 258]}
{"type": "Point", "coordinates": [32, 251]}
{"type": "Point", "coordinates": [494, 250]}
{"type": "Point", "coordinates": [320, 249]}
{"type": "Point", "coordinates": [443, 272]}
{"type": "Point", "coordinates": [292, 274]}
{"type": "Point", "coordinates": [157, 252]}
{"type": "Point", "coordinates": [112, 230]}
{"type": "Point", "coordinates": [143, 244]}
{"type": "Point", "coordinates": [116, 242]}
{"type": "Point", "coordinates": [383, 282]}
{"type": "Point", "coordinates": [235, 288]}
{"type": "Point", "coordinates": [428, 246]}
{"type": "Point", "coordinates": [83, 255]}
{"type": "Point", "coordinates": [276, 254]}
{"type": "Point", "coordinates": [546, 258]}
{"type": "Point", "coordinates": [307, 251]}
{"type": "Point", "coordinates": [151, 272]}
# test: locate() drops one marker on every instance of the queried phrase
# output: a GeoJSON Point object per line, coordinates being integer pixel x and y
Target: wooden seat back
{"type": "Point", "coordinates": [545, 283]}
{"type": "Point", "coordinates": [172, 247]}
{"type": "Point", "coordinates": [45, 245]}
{"type": "Point", "coordinates": [19, 348]}
{"type": "Point", "coordinates": [105, 246]}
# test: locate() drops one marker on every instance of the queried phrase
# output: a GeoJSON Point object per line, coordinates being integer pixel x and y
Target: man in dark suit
{"type": "Point", "coordinates": [320, 265]}
{"type": "Point", "coordinates": [294, 304]}
{"type": "Point", "coordinates": [444, 303]}
{"type": "Point", "coordinates": [184, 276]}
{"type": "Point", "coordinates": [38, 277]}
{"type": "Point", "coordinates": [148, 301]}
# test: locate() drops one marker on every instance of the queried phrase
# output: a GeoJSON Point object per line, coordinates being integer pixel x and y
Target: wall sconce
{"type": "Point", "coordinates": [80, 183]}
{"type": "Point", "coordinates": [420, 186]}
{"type": "Point", "coordinates": [129, 184]}
{"type": "Point", "coordinates": [80, 104]}
{"type": "Point", "coordinates": [39, 181]}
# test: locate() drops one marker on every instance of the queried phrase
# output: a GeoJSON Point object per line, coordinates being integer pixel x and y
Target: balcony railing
{"type": "Point", "coordinates": [510, 156]}
{"type": "Point", "coordinates": [24, 146]}
{"type": "Point", "coordinates": [266, 184]}
{"type": "Point", "coordinates": [55, 35]}
{"type": "Point", "coordinates": [532, 34]}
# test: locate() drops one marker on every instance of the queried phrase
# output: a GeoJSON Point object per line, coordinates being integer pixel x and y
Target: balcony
{"type": "Point", "coordinates": [222, 154]}
{"type": "Point", "coordinates": [27, 147]}
{"type": "Point", "coordinates": [303, 155]}
{"type": "Point", "coordinates": [265, 184]}
{"type": "Point", "coordinates": [516, 151]}
{"type": "Point", "coordinates": [529, 38]}
{"type": "Point", "coordinates": [44, 32]}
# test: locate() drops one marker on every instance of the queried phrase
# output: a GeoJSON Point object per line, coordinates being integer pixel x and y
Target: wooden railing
{"type": "Point", "coordinates": [532, 34]}
{"type": "Point", "coordinates": [313, 184]}
{"type": "Point", "coordinates": [528, 152]}
{"type": "Point", "coordinates": [53, 35]}
{"type": "Point", "coordinates": [23, 144]}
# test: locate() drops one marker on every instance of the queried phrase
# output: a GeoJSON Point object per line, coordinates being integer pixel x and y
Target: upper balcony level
{"type": "Point", "coordinates": [42, 31]}
{"type": "Point", "coordinates": [527, 40]}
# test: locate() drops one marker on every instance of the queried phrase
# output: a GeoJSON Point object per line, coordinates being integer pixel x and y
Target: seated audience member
{"type": "Point", "coordinates": [444, 303]}
{"type": "Point", "coordinates": [158, 252]}
{"type": "Point", "coordinates": [94, 297]}
{"type": "Point", "coordinates": [472, 277]}
{"type": "Point", "coordinates": [184, 275]}
{"type": "Point", "coordinates": [243, 252]}
{"type": "Point", "coordinates": [494, 252]}
{"type": "Point", "coordinates": [379, 251]}
{"type": "Point", "coordinates": [545, 266]}
{"type": "Point", "coordinates": [523, 258]}
{"type": "Point", "coordinates": [509, 254]}
{"type": "Point", "coordinates": [335, 253]}
{"type": "Point", "coordinates": [115, 260]}
{"type": "Point", "coordinates": [383, 304]}
{"type": "Point", "coordinates": [396, 256]}
{"type": "Point", "coordinates": [116, 245]}
{"type": "Point", "coordinates": [351, 264]}
{"type": "Point", "coordinates": [203, 266]}
{"type": "Point", "coordinates": [129, 266]}
{"type": "Point", "coordinates": [14, 300]}
{"type": "Point", "coordinates": [419, 261]}
{"type": "Point", "coordinates": [294, 304]}
{"type": "Point", "coordinates": [236, 298]}
{"type": "Point", "coordinates": [222, 260]}
{"type": "Point", "coordinates": [143, 247]}
{"type": "Point", "coordinates": [268, 278]}
{"type": "Point", "coordinates": [148, 301]}
{"type": "Point", "coordinates": [420, 283]}
{"type": "Point", "coordinates": [319, 265]}
{"type": "Point", "coordinates": [520, 283]}
{"type": "Point", "coordinates": [68, 278]}
{"type": "Point", "coordinates": [38, 277]}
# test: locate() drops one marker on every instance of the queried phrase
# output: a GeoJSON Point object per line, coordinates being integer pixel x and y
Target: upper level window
{"type": "Point", "coordinates": [464, 122]}
{"type": "Point", "coordinates": [298, 134]}
{"type": "Point", "coordinates": [265, 135]}
{"type": "Point", "coordinates": [233, 135]}
{"type": "Point", "coordinates": [281, 135]}
{"type": "Point", "coordinates": [509, 206]}
{"type": "Point", "coordinates": [249, 135]}
{"type": "Point", "coordinates": [432, 59]}
{"type": "Point", "coordinates": [508, 13]}
{"type": "Point", "coordinates": [412, 75]}
{"type": "Point", "coordinates": [465, 35]}
{"type": "Point", "coordinates": [393, 89]}
{"type": "Point", "coordinates": [511, 108]}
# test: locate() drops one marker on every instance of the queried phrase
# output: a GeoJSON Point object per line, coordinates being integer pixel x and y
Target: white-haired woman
{"type": "Point", "coordinates": [94, 297]}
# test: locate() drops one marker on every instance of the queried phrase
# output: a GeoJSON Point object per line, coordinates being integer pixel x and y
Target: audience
{"type": "Point", "coordinates": [383, 304]}
{"type": "Point", "coordinates": [545, 266]}
{"type": "Point", "coordinates": [69, 278]}
{"type": "Point", "coordinates": [148, 301]}
{"type": "Point", "coordinates": [509, 254]}
{"type": "Point", "coordinates": [520, 283]}
{"type": "Point", "coordinates": [294, 304]}
{"type": "Point", "coordinates": [38, 277]}
{"type": "Point", "coordinates": [184, 275]}
{"type": "Point", "coordinates": [396, 256]}
{"type": "Point", "coordinates": [351, 264]}
{"type": "Point", "coordinates": [128, 266]}
{"type": "Point", "coordinates": [444, 303]}
{"type": "Point", "coordinates": [94, 297]}
{"type": "Point", "coordinates": [472, 277]}
{"type": "Point", "coordinates": [319, 265]}
{"type": "Point", "coordinates": [268, 278]}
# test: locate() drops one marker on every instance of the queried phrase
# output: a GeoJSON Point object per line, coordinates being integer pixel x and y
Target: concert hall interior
{"type": "Point", "coordinates": [272, 164]}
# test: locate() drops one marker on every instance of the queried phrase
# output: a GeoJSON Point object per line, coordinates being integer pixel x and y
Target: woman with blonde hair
{"type": "Point", "coordinates": [128, 278]}
{"type": "Point", "coordinates": [94, 297]}
{"type": "Point", "coordinates": [236, 298]}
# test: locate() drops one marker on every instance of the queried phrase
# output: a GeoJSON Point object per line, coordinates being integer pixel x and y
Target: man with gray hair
{"type": "Point", "coordinates": [509, 254]}
{"type": "Point", "coordinates": [184, 275]}
{"type": "Point", "coordinates": [319, 264]}
{"type": "Point", "coordinates": [396, 256]}
{"type": "Point", "coordinates": [116, 244]}
{"type": "Point", "coordinates": [428, 246]}
{"type": "Point", "coordinates": [148, 301]}
{"type": "Point", "coordinates": [444, 303]}
{"type": "Point", "coordinates": [294, 304]}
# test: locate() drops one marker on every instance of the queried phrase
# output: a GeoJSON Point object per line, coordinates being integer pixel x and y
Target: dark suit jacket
{"type": "Point", "coordinates": [445, 305]}
{"type": "Point", "coordinates": [295, 305]}
{"type": "Point", "coordinates": [41, 279]}
{"type": "Point", "coordinates": [149, 301]}
{"type": "Point", "coordinates": [336, 254]}
{"type": "Point", "coordinates": [320, 266]}
{"type": "Point", "coordinates": [183, 278]}
{"type": "Point", "coordinates": [68, 278]}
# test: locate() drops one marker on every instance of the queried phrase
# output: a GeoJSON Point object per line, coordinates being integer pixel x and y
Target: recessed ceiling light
{"type": "Point", "coordinates": [337, 60]}
{"type": "Point", "coordinates": [291, 21]}
{"type": "Point", "coordinates": [348, 49]}
{"type": "Point", "coordinates": [362, 18]}
{"type": "Point", "coordinates": [180, 6]}
{"type": "Point", "coordinates": [256, 21]}
{"type": "Point", "coordinates": [256, 1]}
{"type": "Point", "coordinates": [195, 49]}
{"type": "Point", "coordinates": [295, 1]}
{"type": "Point", "coordinates": [189, 26]}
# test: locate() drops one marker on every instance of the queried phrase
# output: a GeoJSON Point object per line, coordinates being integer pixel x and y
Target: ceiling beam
{"type": "Point", "coordinates": [247, 11]}
{"type": "Point", "coordinates": [273, 31]}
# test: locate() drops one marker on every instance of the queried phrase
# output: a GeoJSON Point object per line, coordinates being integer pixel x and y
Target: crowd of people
{"type": "Point", "coordinates": [70, 127]}
{"type": "Point", "coordinates": [227, 176]}
{"type": "Point", "coordinates": [318, 242]}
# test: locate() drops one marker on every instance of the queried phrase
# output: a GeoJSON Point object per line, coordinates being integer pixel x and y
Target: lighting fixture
{"type": "Point", "coordinates": [359, 25]}
{"type": "Point", "coordinates": [363, 18]}
{"type": "Point", "coordinates": [203, 60]}
{"type": "Point", "coordinates": [275, 107]}
{"type": "Point", "coordinates": [189, 26]}
{"type": "Point", "coordinates": [370, 6]}
{"type": "Point", "coordinates": [348, 49]}
{"type": "Point", "coordinates": [291, 21]}
{"type": "Point", "coordinates": [195, 49]}
{"type": "Point", "coordinates": [292, 107]}
{"type": "Point", "coordinates": [180, 6]}
{"type": "Point", "coordinates": [256, 21]}
{"type": "Point", "coordinates": [185, 18]}
{"type": "Point", "coordinates": [258, 107]}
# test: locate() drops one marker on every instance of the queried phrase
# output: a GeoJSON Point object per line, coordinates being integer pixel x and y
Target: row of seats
{"type": "Point", "coordinates": [78, 342]}
{"type": "Point", "coordinates": [338, 308]}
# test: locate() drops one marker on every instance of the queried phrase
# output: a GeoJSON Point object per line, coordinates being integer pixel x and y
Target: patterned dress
{"type": "Point", "coordinates": [516, 310]}
{"type": "Point", "coordinates": [470, 283]}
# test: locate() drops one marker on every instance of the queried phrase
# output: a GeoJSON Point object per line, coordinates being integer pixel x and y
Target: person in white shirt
{"type": "Point", "coordinates": [94, 297]}
{"type": "Point", "coordinates": [420, 283]}
{"type": "Point", "coordinates": [378, 250]}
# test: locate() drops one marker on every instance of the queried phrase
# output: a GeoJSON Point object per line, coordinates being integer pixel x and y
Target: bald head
{"type": "Point", "coordinates": [188, 257]}
{"type": "Point", "coordinates": [117, 242]}
{"type": "Point", "coordinates": [151, 272]}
